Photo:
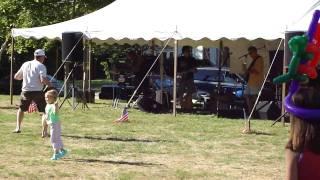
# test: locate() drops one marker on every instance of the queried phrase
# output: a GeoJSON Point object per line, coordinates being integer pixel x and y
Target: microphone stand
{"type": "Point", "coordinates": [246, 55]}
{"type": "Point", "coordinates": [243, 56]}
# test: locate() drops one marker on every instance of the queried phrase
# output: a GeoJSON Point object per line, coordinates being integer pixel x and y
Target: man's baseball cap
{"type": "Point", "coordinates": [39, 52]}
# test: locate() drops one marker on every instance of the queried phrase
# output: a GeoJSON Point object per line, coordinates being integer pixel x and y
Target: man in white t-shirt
{"type": "Point", "coordinates": [33, 75]}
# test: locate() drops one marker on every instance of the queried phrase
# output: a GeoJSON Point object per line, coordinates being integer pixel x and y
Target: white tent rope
{"type": "Point", "coordinates": [314, 6]}
{"type": "Point", "coordinates": [311, 9]}
{"type": "Point", "coordinates": [264, 81]}
{"type": "Point", "coordinates": [136, 90]}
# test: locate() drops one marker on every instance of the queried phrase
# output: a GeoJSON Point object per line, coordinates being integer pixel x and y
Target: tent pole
{"type": "Point", "coordinates": [84, 76]}
{"type": "Point", "coordinates": [219, 74]}
{"type": "Point", "coordinates": [175, 77]}
{"type": "Point", "coordinates": [11, 70]}
{"type": "Point", "coordinates": [89, 66]}
{"type": "Point", "coordinates": [284, 71]}
{"type": "Point", "coordinates": [161, 74]}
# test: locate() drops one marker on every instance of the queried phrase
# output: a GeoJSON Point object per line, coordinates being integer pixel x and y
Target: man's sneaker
{"type": "Point", "coordinates": [63, 152]}
{"type": "Point", "coordinates": [56, 156]}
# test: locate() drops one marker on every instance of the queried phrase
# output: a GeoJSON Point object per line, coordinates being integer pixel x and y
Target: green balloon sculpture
{"type": "Point", "coordinates": [297, 45]}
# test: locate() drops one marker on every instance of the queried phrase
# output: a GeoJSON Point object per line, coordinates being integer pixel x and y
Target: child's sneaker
{"type": "Point", "coordinates": [56, 156]}
{"type": "Point", "coordinates": [63, 152]}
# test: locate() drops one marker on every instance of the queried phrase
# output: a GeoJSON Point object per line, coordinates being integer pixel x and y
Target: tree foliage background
{"type": "Point", "coordinates": [33, 13]}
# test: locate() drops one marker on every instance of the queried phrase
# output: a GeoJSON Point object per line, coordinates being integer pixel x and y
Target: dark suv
{"type": "Point", "coordinates": [232, 85]}
{"type": "Point", "coordinates": [207, 80]}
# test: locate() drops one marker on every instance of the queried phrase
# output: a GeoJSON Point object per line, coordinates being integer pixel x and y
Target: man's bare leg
{"type": "Point", "coordinates": [20, 115]}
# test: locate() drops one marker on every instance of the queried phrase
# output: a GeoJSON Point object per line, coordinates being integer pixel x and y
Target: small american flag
{"type": "Point", "coordinates": [124, 116]}
{"type": "Point", "coordinates": [32, 107]}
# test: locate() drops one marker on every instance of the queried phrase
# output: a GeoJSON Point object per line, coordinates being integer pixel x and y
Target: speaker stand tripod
{"type": "Point", "coordinates": [278, 119]}
{"type": "Point", "coordinates": [73, 91]}
{"type": "Point", "coordinates": [277, 98]}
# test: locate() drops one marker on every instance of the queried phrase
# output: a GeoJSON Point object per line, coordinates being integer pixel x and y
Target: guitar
{"type": "Point", "coordinates": [246, 75]}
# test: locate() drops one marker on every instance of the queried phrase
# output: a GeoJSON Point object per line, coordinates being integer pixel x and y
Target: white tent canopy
{"type": "Point", "coordinates": [191, 22]}
{"type": "Point", "coordinates": [199, 22]}
{"type": "Point", "coordinates": [202, 22]}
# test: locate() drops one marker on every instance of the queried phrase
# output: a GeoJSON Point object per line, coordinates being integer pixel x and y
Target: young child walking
{"type": "Point", "coordinates": [52, 118]}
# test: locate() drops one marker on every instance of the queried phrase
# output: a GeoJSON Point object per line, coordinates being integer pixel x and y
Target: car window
{"type": "Point", "coordinates": [208, 75]}
{"type": "Point", "coordinates": [233, 78]}
{"type": "Point", "coordinates": [230, 78]}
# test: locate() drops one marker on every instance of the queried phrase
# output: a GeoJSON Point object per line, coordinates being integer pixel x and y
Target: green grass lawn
{"type": "Point", "coordinates": [150, 146]}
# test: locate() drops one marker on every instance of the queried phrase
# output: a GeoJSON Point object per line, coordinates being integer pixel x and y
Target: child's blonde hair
{"type": "Point", "coordinates": [53, 93]}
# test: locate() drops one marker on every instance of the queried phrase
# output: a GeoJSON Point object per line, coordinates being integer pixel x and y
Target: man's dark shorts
{"type": "Point", "coordinates": [26, 98]}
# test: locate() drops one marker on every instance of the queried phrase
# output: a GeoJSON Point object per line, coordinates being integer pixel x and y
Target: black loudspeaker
{"type": "Point", "coordinates": [114, 91]}
{"type": "Point", "coordinates": [147, 104]}
{"type": "Point", "coordinates": [108, 91]}
{"type": "Point", "coordinates": [277, 66]}
{"type": "Point", "coordinates": [88, 96]}
{"type": "Point", "coordinates": [72, 46]}
{"type": "Point", "coordinates": [231, 113]}
{"type": "Point", "coordinates": [268, 110]}
{"type": "Point", "coordinates": [288, 36]}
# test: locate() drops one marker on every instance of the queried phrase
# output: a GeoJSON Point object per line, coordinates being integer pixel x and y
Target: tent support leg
{"type": "Point", "coordinates": [175, 64]}
{"type": "Point", "coordinates": [11, 70]}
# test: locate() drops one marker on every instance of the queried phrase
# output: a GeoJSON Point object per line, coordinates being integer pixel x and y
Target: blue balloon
{"type": "Point", "coordinates": [313, 25]}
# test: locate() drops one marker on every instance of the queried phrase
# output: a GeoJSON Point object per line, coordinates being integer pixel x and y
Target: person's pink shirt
{"type": "Point", "coordinates": [309, 166]}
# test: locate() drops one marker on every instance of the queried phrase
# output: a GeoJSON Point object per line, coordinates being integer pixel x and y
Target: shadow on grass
{"type": "Point", "coordinates": [9, 107]}
{"type": "Point", "coordinates": [260, 133]}
{"type": "Point", "coordinates": [117, 162]}
{"type": "Point", "coordinates": [114, 139]}
{"type": "Point", "coordinates": [103, 103]}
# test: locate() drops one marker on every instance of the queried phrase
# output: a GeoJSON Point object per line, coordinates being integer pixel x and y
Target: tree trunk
{"type": "Point", "coordinates": [3, 48]}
